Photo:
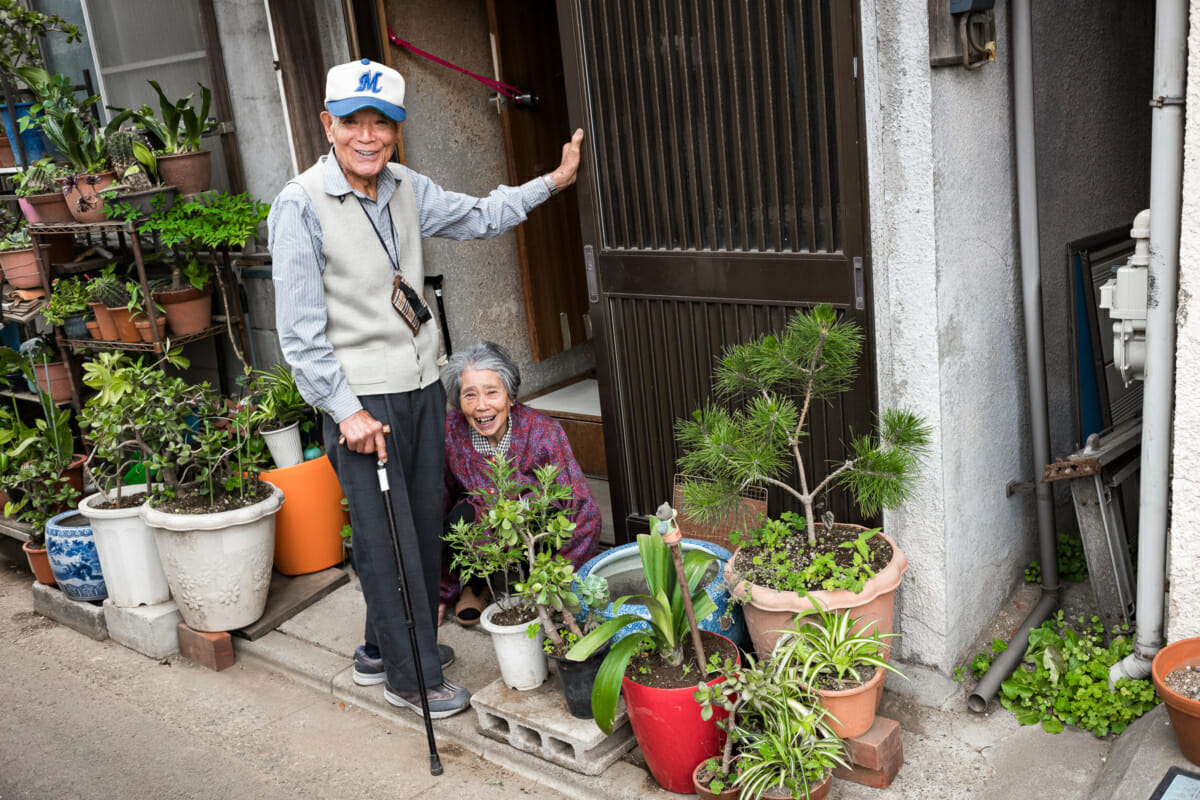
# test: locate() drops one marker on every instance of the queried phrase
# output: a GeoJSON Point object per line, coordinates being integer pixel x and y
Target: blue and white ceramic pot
{"type": "Point", "coordinates": [73, 557]}
{"type": "Point", "coordinates": [622, 567]}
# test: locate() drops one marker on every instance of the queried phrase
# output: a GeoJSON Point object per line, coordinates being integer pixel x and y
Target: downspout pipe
{"type": "Point", "coordinates": [1166, 180]}
{"type": "Point", "coordinates": [1035, 365]}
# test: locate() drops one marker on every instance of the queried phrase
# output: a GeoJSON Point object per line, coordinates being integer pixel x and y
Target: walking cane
{"type": "Point", "coordinates": [435, 763]}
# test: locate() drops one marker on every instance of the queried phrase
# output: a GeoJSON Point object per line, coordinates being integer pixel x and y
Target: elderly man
{"type": "Point", "coordinates": [345, 237]}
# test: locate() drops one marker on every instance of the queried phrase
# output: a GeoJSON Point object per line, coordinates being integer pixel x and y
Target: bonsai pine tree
{"type": "Point", "coordinates": [767, 388]}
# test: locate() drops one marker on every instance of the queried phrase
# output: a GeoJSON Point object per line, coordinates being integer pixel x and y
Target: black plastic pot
{"type": "Point", "coordinates": [577, 679]}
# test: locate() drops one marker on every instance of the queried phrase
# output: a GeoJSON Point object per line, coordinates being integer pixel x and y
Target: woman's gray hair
{"type": "Point", "coordinates": [483, 355]}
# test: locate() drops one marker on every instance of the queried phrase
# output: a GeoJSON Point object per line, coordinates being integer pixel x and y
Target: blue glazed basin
{"type": "Point", "coordinates": [622, 567]}
{"type": "Point", "coordinates": [73, 557]}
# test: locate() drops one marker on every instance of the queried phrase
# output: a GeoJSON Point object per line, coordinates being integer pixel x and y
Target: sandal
{"type": "Point", "coordinates": [471, 605]}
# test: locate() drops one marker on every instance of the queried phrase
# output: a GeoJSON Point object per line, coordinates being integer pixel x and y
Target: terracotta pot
{"type": "Point", "coordinates": [94, 329]}
{"type": "Point", "coordinates": [818, 792]}
{"type": "Point", "coordinates": [52, 378]}
{"type": "Point", "coordinates": [768, 611]}
{"type": "Point", "coordinates": [7, 157]}
{"type": "Point", "coordinates": [105, 321]}
{"type": "Point", "coordinates": [39, 562]}
{"type": "Point", "coordinates": [728, 793]}
{"type": "Point", "coordinates": [84, 200]}
{"type": "Point", "coordinates": [853, 710]}
{"type": "Point", "coordinates": [20, 268]}
{"type": "Point", "coordinates": [187, 310]}
{"type": "Point", "coordinates": [309, 524]}
{"type": "Point", "coordinates": [672, 736]}
{"type": "Point", "coordinates": [126, 330]}
{"type": "Point", "coordinates": [143, 328]}
{"type": "Point", "coordinates": [59, 248]}
{"type": "Point", "coordinates": [189, 173]}
{"type": "Point", "coordinates": [1183, 711]}
{"type": "Point", "coordinates": [47, 209]}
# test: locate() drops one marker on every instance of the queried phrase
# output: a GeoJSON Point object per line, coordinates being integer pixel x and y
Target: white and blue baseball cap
{"type": "Point", "coordinates": [364, 84]}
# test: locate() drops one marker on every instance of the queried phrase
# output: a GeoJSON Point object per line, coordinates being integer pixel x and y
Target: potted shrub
{"type": "Point", "coordinates": [17, 258]}
{"type": "Point", "coordinates": [40, 197]}
{"type": "Point", "coordinates": [768, 386]}
{"type": "Point", "coordinates": [523, 527]}
{"type": "Point", "coordinates": [844, 660]}
{"type": "Point", "coordinates": [137, 192]}
{"type": "Point", "coordinates": [21, 32]}
{"type": "Point", "coordinates": [179, 126]}
{"type": "Point", "coordinates": [667, 722]}
{"type": "Point", "coordinates": [212, 518]}
{"type": "Point", "coordinates": [279, 414]}
{"type": "Point", "coordinates": [68, 304]}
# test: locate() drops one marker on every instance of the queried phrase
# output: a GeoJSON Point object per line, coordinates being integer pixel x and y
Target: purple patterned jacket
{"type": "Point", "coordinates": [536, 440]}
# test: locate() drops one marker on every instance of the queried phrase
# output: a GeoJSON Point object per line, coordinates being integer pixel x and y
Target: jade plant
{"type": "Point", "coordinates": [22, 31]}
{"type": "Point", "coordinates": [523, 526]}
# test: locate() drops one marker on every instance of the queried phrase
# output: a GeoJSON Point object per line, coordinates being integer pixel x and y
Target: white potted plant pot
{"type": "Point", "coordinates": [218, 565]}
{"type": "Point", "coordinates": [128, 553]}
{"type": "Point", "coordinates": [284, 444]}
{"type": "Point", "coordinates": [522, 660]}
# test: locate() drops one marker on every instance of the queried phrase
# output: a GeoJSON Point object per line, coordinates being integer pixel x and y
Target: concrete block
{"type": "Point", "coordinates": [876, 756]}
{"type": "Point", "coordinates": [150, 630]}
{"type": "Point", "coordinates": [212, 650]}
{"type": "Point", "coordinates": [538, 722]}
{"type": "Point", "coordinates": [85, 617]}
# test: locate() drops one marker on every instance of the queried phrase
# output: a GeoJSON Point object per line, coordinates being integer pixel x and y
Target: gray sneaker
{"type": "Point", "coordinates": [444, 701]}
{"type": "Point", "coordinates": [370, 671]}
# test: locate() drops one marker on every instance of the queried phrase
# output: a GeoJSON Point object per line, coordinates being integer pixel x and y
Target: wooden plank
{"type": "Point", "coordinates": [291, 594]}
{"type": "Point", "coordinates": [17, 530]}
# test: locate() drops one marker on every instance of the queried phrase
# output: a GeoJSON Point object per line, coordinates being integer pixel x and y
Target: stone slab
{"type": "Point", "coordinates": [538, 722]}
{"type": "Point", "coordinates": [150, 630]}
{"type": "Point", "coordinates": [291, 594]}
{"type": "Point", "coordinates": [85, 617]}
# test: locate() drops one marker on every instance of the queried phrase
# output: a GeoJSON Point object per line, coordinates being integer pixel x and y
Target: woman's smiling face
{"type": "Point", "coordinates": [485, 403]}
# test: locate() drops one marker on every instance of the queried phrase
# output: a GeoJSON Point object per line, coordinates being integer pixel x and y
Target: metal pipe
{"type": "Point", "coordinates": [1035, 366]}
{"type": "Point", "coordinates": [1166, 170]}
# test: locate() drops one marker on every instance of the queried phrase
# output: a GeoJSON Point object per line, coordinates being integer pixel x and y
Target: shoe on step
{"type": "Point", "coordinates": [369, 671]}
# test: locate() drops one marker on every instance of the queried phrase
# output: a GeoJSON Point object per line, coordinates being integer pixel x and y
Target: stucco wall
{"type": "Point", "coordinates": [1183, 616]}
{"type": "Point", "coordinates": [948, 320]}
{"type": "Point", "coordinates": [453, 135]}
{"type": "Point", "coordinates": [1093, 64]}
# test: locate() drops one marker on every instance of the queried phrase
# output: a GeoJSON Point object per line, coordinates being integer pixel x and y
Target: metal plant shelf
{"type": "Point", "coordinates": [111, 344]}
{"type": "Point", "coordinates": [112, 226]}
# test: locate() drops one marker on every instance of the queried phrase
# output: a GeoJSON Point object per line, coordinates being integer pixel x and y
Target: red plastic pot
{"type": "Point", "coordinates": [672, 736]}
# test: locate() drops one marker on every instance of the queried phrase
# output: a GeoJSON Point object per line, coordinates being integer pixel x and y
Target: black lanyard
{"type": "Point", "coordinates": [391, 225]}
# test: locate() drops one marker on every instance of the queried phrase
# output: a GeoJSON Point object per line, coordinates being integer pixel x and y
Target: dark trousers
{"type": "Point", "coordinates": [414, 470]}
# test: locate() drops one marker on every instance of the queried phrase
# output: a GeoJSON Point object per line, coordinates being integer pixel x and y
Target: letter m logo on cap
{"type": "Point", "coordinates": [369, 82]}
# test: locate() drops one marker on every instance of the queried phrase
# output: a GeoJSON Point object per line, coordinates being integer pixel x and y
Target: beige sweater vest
{"type": "Point", "coordinates": [377, 350]}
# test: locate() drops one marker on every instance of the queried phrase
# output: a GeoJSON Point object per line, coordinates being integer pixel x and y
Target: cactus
{"type": "Point", "coordinates": [110, 291]}
{"type": "Point", "coordinates": [39, 178]}
{"type": "Point", "coordinates": [122, 158]}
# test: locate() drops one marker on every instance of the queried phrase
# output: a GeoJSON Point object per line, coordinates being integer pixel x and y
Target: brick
{"type": "Point", "coordinates": [877, 755]}
{"type": "Point", "coordinates": [212, 650]}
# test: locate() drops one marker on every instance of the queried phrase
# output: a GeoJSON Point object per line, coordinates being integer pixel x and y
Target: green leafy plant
{"type": "Point", "coordinates": [982, 662]}
{"type": "Point", "coordinates": [525, 525]}
{"type": "Point", "coordinates": [778, 560]}
{"type": "Point", "coordinates": [1063, 680]}
{"type": "Point", "coordinates": [185, 434]}
{"type": "Point", "coordinates": [68, 296]}
{"type": "Point", "coordinates": [21, 32]}
{"type": "Point", "coordinates": [179, 126]}
{"type": "Point", "coordinates": [833, 648]}
{"type": "Point", "coordinates": [752, 434]}
{"type": "Point", "coordinates": [1072, 563]}
{"type": "Point", "coordinates": [109, 289]}
{"type": "Point", "coordinates": [794, 749]}
{"type": "Point", "coordinates": [277, 400]}
{"type": "Point", "coordinates": [666, 628]}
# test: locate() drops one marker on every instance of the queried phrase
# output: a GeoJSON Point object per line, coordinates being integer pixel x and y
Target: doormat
{"type": "Point", "coordinates": [1178, 784]}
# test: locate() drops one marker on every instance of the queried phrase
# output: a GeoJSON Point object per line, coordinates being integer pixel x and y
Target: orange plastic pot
{"type": "Point", "coordinates": [668, 728]}
{"type": "Point", "coordinates": [308, 525]}
{"type": "Point", "coordinates": [1183, 711]}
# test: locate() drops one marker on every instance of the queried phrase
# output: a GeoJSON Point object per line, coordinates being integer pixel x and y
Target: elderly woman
{"type": "Point", "coordinates": [486, 421]}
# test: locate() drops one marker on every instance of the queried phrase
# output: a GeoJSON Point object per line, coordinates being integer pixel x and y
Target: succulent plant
{"type": "Point", "coordinates": [123, 158]}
